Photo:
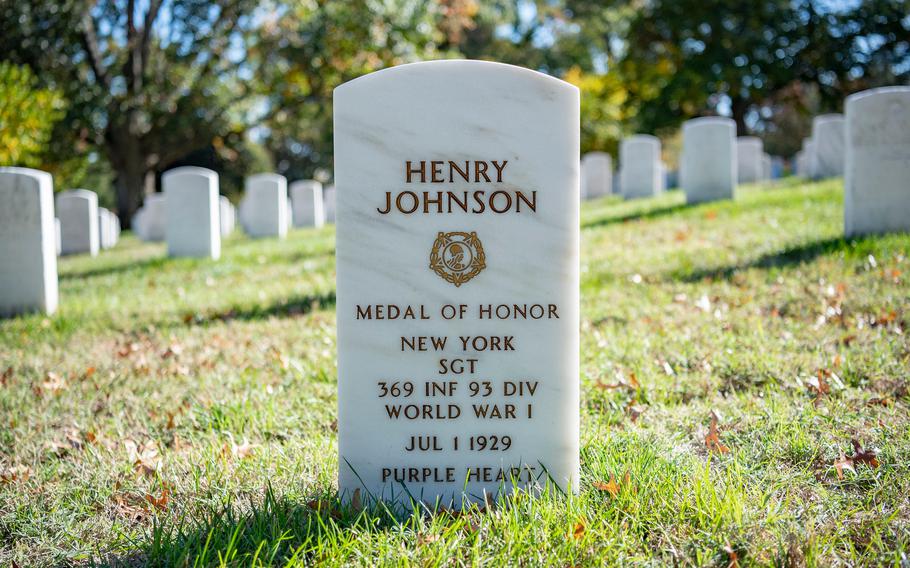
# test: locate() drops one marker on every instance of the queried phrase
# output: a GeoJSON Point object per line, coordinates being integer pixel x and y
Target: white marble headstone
{"type": "Point", "coordinates": [105, 228]}
{"type": "Point", "coordinates": [58, 238]}
{"type": "Point", "coordinates": [328, 204]}
{"type": "Point", "coordinates": [877, 174]}
{"type": "Point", "coordinates": [266, 206]}
{"type": "Point", "coordinates": [226, 216]}
{"type": "Point", "coordinates": [640, 166]}
{"type": "Point", "coordinates": [457, 281]}
{"type": "Point", "coordinates": [306, 197]}
{"type": "Point", "coordinates": [154, 217]}
{"type": "Point", "coordinates": [708, 162]}
{"type": "Point", "coordinates": [765, 166]}
{"type": "Point", "coordinates": [28, 261]}
{"type": "Point", "coordinates": [77, 210]}
{"type": "Point", "coordinates": [828, 145]}
{"type": "Point", "coordinates": [596, 175]}
{"type": "Point", "coordinates": [193, 228]}
{"type": "Point", "coordinates": [748, 159]}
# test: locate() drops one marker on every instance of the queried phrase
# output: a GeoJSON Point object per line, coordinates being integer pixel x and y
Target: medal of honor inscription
{"type": "Point", "coordinates": [457, 282]}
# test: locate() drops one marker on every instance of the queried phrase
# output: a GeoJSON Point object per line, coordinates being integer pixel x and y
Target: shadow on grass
{"type": "Point", "coordinates": [292, 307]}
{"type": "Point", "coordinates": [128, 265]}
{"type": "Point", "coordinates": [637, 216]}
{"type": "Point", "coordinates": [791, 256]}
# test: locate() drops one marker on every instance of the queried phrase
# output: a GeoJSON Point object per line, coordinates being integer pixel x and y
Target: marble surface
{"type": "Point", "coordinates": [876, 186]}
{"type": "Point", "coordinates": [708, 161]}
{"type": "Point", "coordinates": [77, 210]}
{"type": "Point", "coordinates": [226, 216]}
{"type": "Point", "coordinates": [107, 236]}
{"type": "Point", "coordinates": [328, 204]}
{"type": "Point", "coordinates": [28, 256]}
{"type": "Point", "coordinates": [828, 145]}
{"type": "Point", "coordinates": [193, 227]}
{"type": "Point", "coordinates": [306, 199]}
{"type": "Point", "coordinates": [640, 166]}
{"type": "Point", "coordinates": [153, 221]}
{"type": "Point", "coordinates": [265, 207]}
{"type": "Point", "coordinates": [748, 159]}
{"type": "Point", "coordinates": [596, 175]}
{"type": "Point", "coordinates": [446, 267]}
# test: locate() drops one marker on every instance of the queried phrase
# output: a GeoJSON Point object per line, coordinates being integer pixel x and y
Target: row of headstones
{"type": "Point", "coordinates": [81, 226]}
{"type": "Point", "coordinates": [869, 146]}
{"type": "Point", "coordinates": [267, 209]}
{"type": "Point", "coordinates": [713, 162]}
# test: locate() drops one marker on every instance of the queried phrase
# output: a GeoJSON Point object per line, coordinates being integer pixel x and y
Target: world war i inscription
{"type": "Point", "coordinates": [457, 282]}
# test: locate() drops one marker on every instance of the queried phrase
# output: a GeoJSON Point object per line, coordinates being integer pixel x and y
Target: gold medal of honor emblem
{"type": "Point", "coordinates": [457, 257]}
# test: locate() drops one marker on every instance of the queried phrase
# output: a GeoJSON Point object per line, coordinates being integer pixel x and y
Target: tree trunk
{"type": "Point", "coordinates": [132, 183]}
{"type": "Point", "coordinates": [738, 108]}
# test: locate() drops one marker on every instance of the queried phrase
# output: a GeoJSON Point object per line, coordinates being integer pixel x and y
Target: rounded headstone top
{"type": "Point", "coordinates": [642, 138]}
{"type": "Point", "coordinates": [154, 198]}
{"type": "Point", "coordinates": [190, 170]}
{"type": "Point", "coordinates": [709, 120]}
{"type": "Point", "coordinates": [80, 193]}
{"type": "Point", "coordinates": [453, 65]}
{"type": "Point", "coordinates": [892, 90]}
{"type": "Point", "coordinates": [40, 175]}
{"type": "Point", "coordinates": [306, 184]}
{"type": "Point", "coordinates": [595, 156]}
{"type": "Point", "coordinates": [267, 176]}
{"type": "Point", "coordinates": [827, 119]}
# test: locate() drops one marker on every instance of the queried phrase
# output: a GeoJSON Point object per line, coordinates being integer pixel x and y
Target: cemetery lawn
{"type": "Point", "coordinates": [181, 412]}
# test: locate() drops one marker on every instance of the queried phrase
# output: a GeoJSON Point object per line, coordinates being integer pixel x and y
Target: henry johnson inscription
{"type": "Point", "coordinates": [457, 290]}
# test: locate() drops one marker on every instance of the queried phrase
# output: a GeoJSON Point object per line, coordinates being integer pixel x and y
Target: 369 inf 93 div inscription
{"type": "Point", "coordinates": [457, 291]}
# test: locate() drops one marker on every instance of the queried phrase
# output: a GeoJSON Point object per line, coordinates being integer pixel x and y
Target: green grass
{"type": "Point", "coordinates": [222, 374]}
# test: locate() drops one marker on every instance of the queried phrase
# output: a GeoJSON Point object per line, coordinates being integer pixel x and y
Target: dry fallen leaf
{"type": "Point", "coordinates": [842, 463]}
{"type": "Point", "coordinates": [53, 382]}
{"type": "Point", "coordinates": [161, 502]}
{"type": "Point", "coordinates": [144, 457]}
{"type": "Point", "coordinates": [578, 530]}
{"type": "Point", "coordinates": [15, 473]}
{"type": "Point", "coordinates": [612, 488]}
{"type": "Point", "coordinates": [731, 556]}
{"type": "Point", "coordinates": [712, 440]}
{"type": "Point", "coordinates": [6, 376]}
{"type": "Point", "coordinates": [356, 502]}
{"type": "Point", "coordinates": [860, 455]}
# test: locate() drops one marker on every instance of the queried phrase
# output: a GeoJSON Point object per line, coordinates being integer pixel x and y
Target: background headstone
{"type": "Point", "coordinates": [306, 199]}
{"type": "Point", "coordinates": [708, 161]}
{"type": "Point", "coordinates": [77, 210]}
{"type": "Point", "coordinates": [766, 166]}
{"type": "Point", "coordinates": [640, 166]}
{"type": "Point", "coordinates": [436, 262]}
{"type": "Point", "coordinates": [193, 226]}
{"type": "Point", "coordinates": [596, 175]}
{"type": "Point", "coordinates": [28, 261]}
{"type": "Point", "coordinates": [748, 159]}
{"type": "Point", "coordinates": [828, 144]}
{"type": "Point", "coordinates": [877, 175]}
{"type": "Point", "coordinates": [266, 207]}
{"type": "Point", "coordinates": [154, 217]}
{"type": "Point", "coordinates": [105, 228]}
{"type": "Point", "coordinates": [328, 204]}
{"type": "Point", "coordinates": [57, 235]}
{"type": "Point", "coordinates": [227, 215]}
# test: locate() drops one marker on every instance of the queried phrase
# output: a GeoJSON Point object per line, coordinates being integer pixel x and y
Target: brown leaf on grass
{"type": "Point", "coordinates": [173, 350]}
{"type": "Point", "coordinates": [635, 410]}
{"type": "Point", "coordinates": [238, 451]}
{"type": "Point", "coordinates": [356, 501]}
{"type": "Point", "coordinates": [88, 373]}
{"type": "Point", "coordinates": [144, 457]}
{"type": "Point", "coordinates": [710, 214]}
{"type": "Point", "coordinates": [15, 473]}
{"type": "Point", "coordinates": [6, 376]}
{"type": "Point", "coordinates": [320, 505]}
{"type": "Point", "coordinates": [732, 557]}
{"type": "Point", "coordinates": [621, 383]}
{"type": "Point", "coordinates": [842, 463]}
{"type": "Point", "coordinates": [611, 487]}
{"type": "Point", "coordinates": [861, 455]}
{"type": "Point", "coordinates": [127, 349]}
{"type": "Point", "coordinates": [712, 440]}
{"type": "Point", "coordinates": [130, 507]}
{"type": "Point", "coordinates": [819, 384]}
{"type": "Point", "coordinates": [53, 382]}
{"type": "Point", "coordinates": [160, 502]}
{"type": "Point", "coordinates": [578, 530]}
{"type": "Point", "coordinates": [427, 538]}
{"type": "Point", "coordinates": [880, 401]}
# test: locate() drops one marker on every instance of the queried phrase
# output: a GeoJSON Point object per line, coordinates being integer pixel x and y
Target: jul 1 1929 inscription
{"type": "Point", "coordinates": [457, 282]}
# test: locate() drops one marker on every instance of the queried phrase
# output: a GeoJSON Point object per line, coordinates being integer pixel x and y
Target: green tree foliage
{"type": "Point", "coordinates": [146, 82]}
{"type": "Point", "coordinates": [27, 116]}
